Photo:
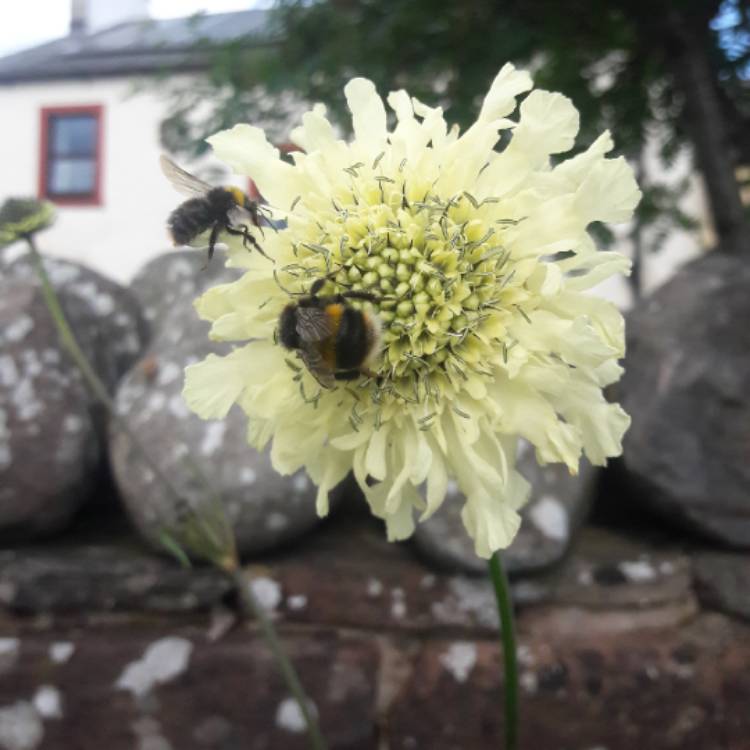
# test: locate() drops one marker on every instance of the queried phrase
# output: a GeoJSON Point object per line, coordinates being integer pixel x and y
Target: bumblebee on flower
{"type": "Point", "coordinates": [472, 264]}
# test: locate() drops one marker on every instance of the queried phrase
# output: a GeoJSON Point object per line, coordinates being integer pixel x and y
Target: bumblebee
{"type": "Point", "coordinates": [218, 209]}
{"type": "Point", "coordinates": [335, 340]}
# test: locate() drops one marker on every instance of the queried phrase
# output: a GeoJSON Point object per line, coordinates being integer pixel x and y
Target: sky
{"type": "Point", "coordinates": [32, 22]}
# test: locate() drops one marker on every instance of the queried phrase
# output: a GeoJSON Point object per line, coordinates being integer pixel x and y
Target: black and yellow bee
{"type": "Point", "coordinates": [335, 340]}
{"type": "Point", "coordinates": [218, 209]}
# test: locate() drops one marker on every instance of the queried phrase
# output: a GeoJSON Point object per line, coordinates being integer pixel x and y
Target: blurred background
{"type": "Point", "coordinates": [632, 583]}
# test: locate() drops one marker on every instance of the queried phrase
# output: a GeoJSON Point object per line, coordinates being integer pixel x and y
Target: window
{"type": "Point", "coordinates": [70, 159]}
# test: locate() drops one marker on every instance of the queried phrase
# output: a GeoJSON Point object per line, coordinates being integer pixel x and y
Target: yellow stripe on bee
{"type": "Point", "coordinates": [237, 194]}
{"type": "Point", "coordinates": [334, 314]}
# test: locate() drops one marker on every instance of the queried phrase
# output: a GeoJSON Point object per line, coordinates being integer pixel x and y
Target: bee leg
{"type": "Point", "coordinates": [255, 214]}
{"type": "Point", "coordinates": [247, 237]}
{"type": "Point", "coordinates": [317, 285]}
{"type": "Point", "coordinates": [212, 238]}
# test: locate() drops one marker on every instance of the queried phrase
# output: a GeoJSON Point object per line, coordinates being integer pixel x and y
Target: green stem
{"type": "Point", "coordinates": [94, 382]}
{"type": "Point", "coordinates": [287, 670]}
{"type": "Point", "coordinates": [508, 640]}
{"type": "Point", "coordinates": [102, 394]}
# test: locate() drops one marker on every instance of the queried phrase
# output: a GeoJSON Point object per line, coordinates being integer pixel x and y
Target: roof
{"type": "Point", "coordinates": [143, 46]}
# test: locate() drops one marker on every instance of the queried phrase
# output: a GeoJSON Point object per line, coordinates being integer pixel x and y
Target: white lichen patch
{"type": "Point", "coordinates": [459, 660]}
{"type": "Point", "coordinates": [72, 423]}
{"type": "Point", "coordinates": [21, 727]}
{"type": "Point", "coordinates": [529, 682]}
{"type": "Point", "coordinates": [48, 702]}
{"type": "Point", "coordinates": [468, 600]}
{"type": "Point", "coordinates": [667, 568]}
{"type": "Point", "coordinates": [525, 656]}
{"type": "Point", "coordinates": [32, 363]}
{"type": "Point", "coordinates": [10, 649]}
{"type": "Point", "coordinates": [148, 730]}
{"type": "Point", "coordinates": [61, 651]}
{"type": "Point", "coordinates": [296, 602]}
{"type": "Point", "coordinates": [156, 402]}
{"type": "Point", "coordinates": [248, 475]}
{"type": "Point", "coordinates": [101, 302]}
{"type": "Point", "coordinates": [585, 577]}
{"type": "Point", "coordinates": [163, 661]}
{"type": "Point", "coordinates": [637, 571]}
{"type": "Point", "coordinates": [19, 328]}
{"type": "Point", "coordinates": [300, 482]}
{"type": "Point", "coordinates": [398, 604]}
{"type": "Point", "coordinates": [289, 715]}
{"type": "Point", "coordinates": [267, 592]}
{"type": "Point", "coordinates": [276, 521]}
{"type": "Point", "coordinates": [213, 437]}
{"type": "Point", "coordinates": [177, 407]}
{"type": "Point", "coordinates": [168, 372]}
{"type": "Point", "coordinates": [374, 587]}
{"type": "Point", "coordinates": [6, 455]}
{"type": "Point", "coordinates": [61, 274]}
{"type": "Point", "coordinates": [8, 371]}
{"type": "Point", "coordinates": [51, 357]}
{"type": "Point", "coordinates": [9, 646]}
{"type": "Point", "coordinates": [25, 400]}
{"type": "Point", "coordinates": [550, 517]}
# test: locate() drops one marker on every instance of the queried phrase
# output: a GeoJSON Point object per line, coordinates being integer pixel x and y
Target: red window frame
{"type": "Point", "coordinates": [46, 113]}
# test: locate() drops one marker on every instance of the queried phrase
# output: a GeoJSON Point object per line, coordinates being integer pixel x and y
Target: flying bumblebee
{"type": "Point", "coordinates": [335, 340]}
{"type": "Point", "coordinates": [219, 209]}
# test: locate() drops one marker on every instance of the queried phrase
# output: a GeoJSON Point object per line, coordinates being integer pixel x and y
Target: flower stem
{"type": "Point", "coordinates": [286, 668]}
{"type": "Point", "coordinates": [94, 382]}
{"type": "Point", "coordinates": [229, 562]}
{"type": "Point", "coordinates": [508, 640]}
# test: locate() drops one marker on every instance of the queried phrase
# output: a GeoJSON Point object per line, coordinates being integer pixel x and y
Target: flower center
{"type": "Point", "coordinates": [438, 267]}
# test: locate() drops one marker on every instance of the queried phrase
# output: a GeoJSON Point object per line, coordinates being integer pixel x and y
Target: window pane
{"type": "Point", "coordinates": [73, 135]}
{"type": "Point", "coordinates": [71, 176]}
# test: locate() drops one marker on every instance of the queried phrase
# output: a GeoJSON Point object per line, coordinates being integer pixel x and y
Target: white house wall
{"type": "Point", "coordinates": [128, 228]}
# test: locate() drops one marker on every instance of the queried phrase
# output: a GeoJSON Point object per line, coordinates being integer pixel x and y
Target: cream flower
{"type": "Point", "coordinates": [481, 262]}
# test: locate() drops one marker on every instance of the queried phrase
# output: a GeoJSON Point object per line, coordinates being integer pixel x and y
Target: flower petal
{"type": "Point", "coordinates": [368, 114]}
{"type": "Point", "coordinates": [213, 385]}
{"type": "Point", "coordinates": [501, 98]}
{"type": "Point", "coordinates": [548, 125]}
{"type": "Point", "coordinates": [247, 151]}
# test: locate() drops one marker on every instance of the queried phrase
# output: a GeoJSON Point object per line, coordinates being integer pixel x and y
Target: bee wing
{"type": "Point", "coordinates": [182, 181]}
{"type": "Point", "coordinates": [317, 367]}
{"type": "Point", "coordinates": [313, 324]}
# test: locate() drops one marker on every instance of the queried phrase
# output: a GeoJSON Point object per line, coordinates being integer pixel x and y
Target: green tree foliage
{"type": "Point", "coordinates": [629, 65]}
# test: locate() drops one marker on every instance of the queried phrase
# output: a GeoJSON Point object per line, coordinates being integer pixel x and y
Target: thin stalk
{"type": "Point", "coordinates": [229, 561]}
{"type": "Point", "coordinates": [288, 672]}
{"type": "Point", "coordinates": [508, 640]}
{"type": "Point", "coordinates": [94, 382]}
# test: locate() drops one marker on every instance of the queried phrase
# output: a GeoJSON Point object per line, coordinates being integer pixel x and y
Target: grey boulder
{"type": "Point", "coordinates": [172, 276]}
{"type": "Point", "coordinates": [687, 388]}
{"type": "Point", "coordinates": [50, 424]}
{"type": "Point", "coordinates": [49, 450]}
